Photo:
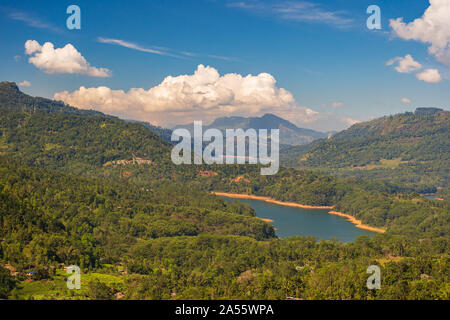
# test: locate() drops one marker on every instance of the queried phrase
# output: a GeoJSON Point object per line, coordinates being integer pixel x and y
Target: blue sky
{"type": "Point", "coordinates": [320, 52]}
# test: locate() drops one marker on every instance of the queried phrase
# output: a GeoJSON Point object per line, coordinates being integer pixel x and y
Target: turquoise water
{"type": "Point", "coordinates": [290, 221]}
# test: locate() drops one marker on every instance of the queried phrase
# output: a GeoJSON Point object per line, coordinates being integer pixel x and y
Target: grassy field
{"type": "Point", "coordinates": [56, 288]}
{"type": "Point", "coordinates": [383, 164]}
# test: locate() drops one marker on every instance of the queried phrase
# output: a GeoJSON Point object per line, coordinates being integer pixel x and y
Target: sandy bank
{"type": "Point", "coordinates": [264, 219]}
{"type": "Point", "coordinates": [350, 218]}
{"type": "Point", "coordinates": [267, 199]}
{"type": "Point", "coordinates": [357, 222]}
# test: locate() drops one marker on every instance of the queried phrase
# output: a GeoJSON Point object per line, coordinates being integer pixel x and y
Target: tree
{"type": "Point", "coordinates": [99, 291]}
{"type": "Point", "coordinates": [7, 282]}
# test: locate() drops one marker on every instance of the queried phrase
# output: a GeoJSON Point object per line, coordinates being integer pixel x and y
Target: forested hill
{"type": "Point", "coordinates": [421, 123]}
{"type": "Point", "coordinates": [408, 148]}
{"type": "Point", "coordinates": [164, 133]}
{"type": "Point", "coordinates": [12, 99]}
{"type": "Point", "coordinates": [42, 132]}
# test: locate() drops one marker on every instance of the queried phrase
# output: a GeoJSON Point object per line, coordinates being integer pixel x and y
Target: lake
{"type": "Point", "coordinates": [290, 221]}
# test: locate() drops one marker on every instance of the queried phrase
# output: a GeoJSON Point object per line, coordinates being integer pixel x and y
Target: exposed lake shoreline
{"type": "Point", "coordinates": [268, 199]}
{"type": "Point", "coordinates": [352, 219]}
{"type": "Point", "coordinates": [356, 222]}
{"type": "Point", "coordinates": [265, 220]}
{"type": "Point", "coordinates": [433, 195]}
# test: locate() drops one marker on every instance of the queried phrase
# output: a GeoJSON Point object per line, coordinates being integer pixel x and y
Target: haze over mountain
{"type": "Point", "coordinates": [164, 133]}
{"type": "Point", "coordinates": [290, 134]}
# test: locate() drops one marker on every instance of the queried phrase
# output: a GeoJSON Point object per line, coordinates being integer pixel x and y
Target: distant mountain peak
{"type": "Point", "coordinates": [290, 134]}
{"type": "Point", "coordinates": [272, 116]}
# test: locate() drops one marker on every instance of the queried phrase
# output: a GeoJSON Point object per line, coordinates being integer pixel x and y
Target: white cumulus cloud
{"type": "Point", "coordinates": [432, 28]}
{"type": "Point", "coordinates": [203, 92]}
{"type": "Point", "coordinates": [24, 83]}
{"type": "Point", "coordinates": [429, 75]}
{"type": "Point", "coordinates": [405, 64]}
{"type": "Point", "coordinates": [204, 95]}
{"type": "Point", "coordinates": [61, 60]}
{"type": "Point", "coordinates": [405, 100]}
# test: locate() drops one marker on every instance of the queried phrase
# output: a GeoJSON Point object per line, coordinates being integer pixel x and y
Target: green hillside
{"type": "Point", "coordinates": [411, 149]}
{"type": "Point", "coordinates": [13, 100]}
{"type": "Point", "coordinates": [46, 133]}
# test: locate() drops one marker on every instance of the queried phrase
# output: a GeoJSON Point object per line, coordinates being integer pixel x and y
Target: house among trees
{"type": "Point", "coordinates": [31, 273]}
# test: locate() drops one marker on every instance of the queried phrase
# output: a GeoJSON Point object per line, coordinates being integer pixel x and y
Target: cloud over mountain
{"type": "Point", "coordinates": [204, 91]}
{"type": "Point", "coordinates": [61, 60]}
{"type": "Point", "coordinates": [24, 83]}
{"type": "Point", "coordinates": [203, 95]}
